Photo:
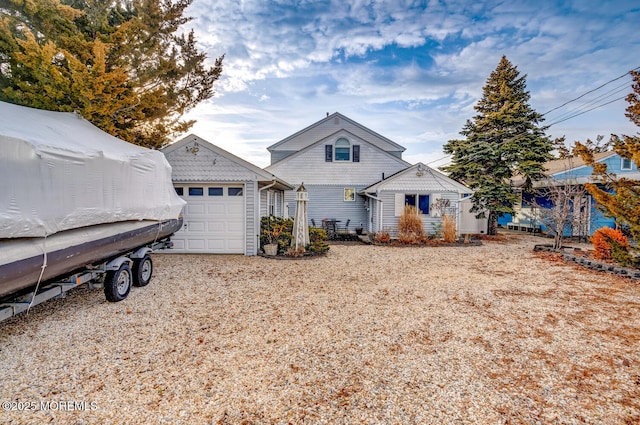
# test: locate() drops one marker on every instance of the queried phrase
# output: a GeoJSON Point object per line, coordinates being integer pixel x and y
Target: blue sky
{"type": "Point", "coordinates": [409, 70]}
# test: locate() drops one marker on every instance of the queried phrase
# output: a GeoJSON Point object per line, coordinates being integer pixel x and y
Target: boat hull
{"type": "Point", "coordinates": [22, 260]}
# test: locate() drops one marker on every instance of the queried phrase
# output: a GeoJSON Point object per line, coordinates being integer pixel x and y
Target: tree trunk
{"type": "Point", "coordinates": [492, 225]}
{"type": "Point", "coordinates": [557, 241]}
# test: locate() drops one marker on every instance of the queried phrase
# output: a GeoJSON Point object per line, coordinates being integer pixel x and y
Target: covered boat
{"type": "Point", "coordinates": [72, 196]}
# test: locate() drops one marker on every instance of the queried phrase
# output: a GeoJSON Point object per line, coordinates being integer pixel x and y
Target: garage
{"type": "Point", "coordinates": [226, 196]}
{"type": "Point", "coordinates": [214, 219]}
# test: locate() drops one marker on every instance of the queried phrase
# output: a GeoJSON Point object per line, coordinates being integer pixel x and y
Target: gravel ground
{"type": "Point", "coordinates": [491, 334]}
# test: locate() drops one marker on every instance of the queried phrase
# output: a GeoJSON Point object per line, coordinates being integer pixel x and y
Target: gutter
{"type": "Point", "coordinates": [380, 209]}
{"type": "Point", "coordinates": [273, 183]}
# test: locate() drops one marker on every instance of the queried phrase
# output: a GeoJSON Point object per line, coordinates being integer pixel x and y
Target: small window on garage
{"type": "Point", "coordinates": [196, 191]}
{"type": "Point", "coordinates": [234, 191]}
{"type": "Point", "coordinates": [180, 191]}
{"type": "Point", "coordinates": [216, 191]}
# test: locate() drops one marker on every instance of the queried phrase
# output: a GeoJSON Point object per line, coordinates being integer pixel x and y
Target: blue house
{"type": "Point", "coordinates": [585, 217]}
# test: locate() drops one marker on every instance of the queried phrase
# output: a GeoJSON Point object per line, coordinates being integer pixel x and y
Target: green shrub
{"type": "Point", "coordinates": [276, 229]}
{"type": "Point", "coordinates": [318, 240]}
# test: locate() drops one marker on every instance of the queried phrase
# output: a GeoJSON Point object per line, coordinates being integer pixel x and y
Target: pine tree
{"type": "Point", "coordinates": [122, 65]}
{"type": "Point", "coordinates": [619, 197]}
{"type": "Point", "coordinates": [501, 141]}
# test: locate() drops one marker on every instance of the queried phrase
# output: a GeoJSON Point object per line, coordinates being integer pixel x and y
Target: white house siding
{"type": "Point", "coordinates": [310, 167]}
{"type": "Point", "coordinates": [196, 161]}
{"type": "Point", "coordinates": [327, 201]}
{"type": "Point", "coordinates": [429, 222]}
{"type": "Point", "coordinates": [325, 128]}
{"type": "Point", "coordinates": [252, 228]}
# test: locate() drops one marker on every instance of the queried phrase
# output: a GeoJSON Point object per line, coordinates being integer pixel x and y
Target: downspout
{"type": "Point", "coordinates": [273, 183]}
{"type": "Point", "coordinates": [380, 210]}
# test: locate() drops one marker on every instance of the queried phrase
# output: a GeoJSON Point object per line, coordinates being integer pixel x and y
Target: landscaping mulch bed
{"type": "Point", "coordinates": [585, 259]}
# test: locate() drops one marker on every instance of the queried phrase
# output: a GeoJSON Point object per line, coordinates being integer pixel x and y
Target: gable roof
{"type": "Point", "coordinates": [564, 166]}
{"type": "Point", "coordinates": [329, 136]}
{"type": "Point", "coordinates": [571, 163]}
{"type": "Point", "coordinates": [261, 175]}
{"type": "Point", "coordinates": [421, 178]}
{"type": "Point", "coordinates": [376, 139]}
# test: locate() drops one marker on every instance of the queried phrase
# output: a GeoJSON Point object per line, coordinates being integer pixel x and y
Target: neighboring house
{"type": "Point", "coordinates": [226, 196]}
{"type": "Point", "coordinates": [355, 175]}
{"type": "Point", "coordinates": [585, 217]}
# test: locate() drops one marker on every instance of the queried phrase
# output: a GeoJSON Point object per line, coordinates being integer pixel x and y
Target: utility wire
{"type": "Point", "coordinates": [591, 91]}
{"type": "Point", "coordinates": [622, 87]}
{"type": "Point", "coordinates": [588, 110]}
{"type": "Point", "coordinates": [599, 98]}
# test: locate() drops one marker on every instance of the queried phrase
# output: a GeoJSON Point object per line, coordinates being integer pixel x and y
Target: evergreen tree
{"type": "Point", "coordinates": [501, 141]}
{"type": "Point", "coordinates": [121, 64]}
{"type": "Point", "coordinates": [619, 197]}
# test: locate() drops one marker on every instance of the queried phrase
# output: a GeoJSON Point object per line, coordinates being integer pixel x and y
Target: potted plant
{"type": "Point", "coordinates": [272, 234]}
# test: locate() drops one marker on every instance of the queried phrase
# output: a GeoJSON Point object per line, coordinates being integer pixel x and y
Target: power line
{"type": "Point", "coordinates": [588, 110]}
{"type": "Point", "coordinates": [599, 98]}
{"type": "Point", "coordinates": [591, 91]}
{"type": "Point", "coordinates": [622, 87]}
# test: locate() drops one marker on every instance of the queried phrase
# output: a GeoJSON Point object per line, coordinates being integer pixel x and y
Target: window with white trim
{"type": "Point", "coordinates": [342, 150]}
{"type": "Point", "coordinates": [626, 164]}
{"type": "Point", "coordinates": [421, 202]}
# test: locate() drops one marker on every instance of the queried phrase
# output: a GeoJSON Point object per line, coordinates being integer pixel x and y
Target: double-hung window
{"type": "Point", "coordinates": [342, 150]}
{"type": "Point", "coordinates": [420, 202]}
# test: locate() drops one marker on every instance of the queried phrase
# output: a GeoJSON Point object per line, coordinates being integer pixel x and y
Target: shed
{"type": "Point", "coordinates": [226, 197]}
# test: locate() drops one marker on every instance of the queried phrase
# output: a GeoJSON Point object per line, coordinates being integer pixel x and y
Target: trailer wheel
{"type": "Point", "coordinates": [142, 271]}
{"type": "Point", "coordinates": [117, 283]}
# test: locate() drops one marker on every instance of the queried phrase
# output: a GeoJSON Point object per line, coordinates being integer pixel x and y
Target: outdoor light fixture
{"type": "Point", "coordinates": [193, 149]}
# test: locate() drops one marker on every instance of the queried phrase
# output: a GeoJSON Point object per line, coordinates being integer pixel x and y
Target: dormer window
{"type": "Point", "coordinates": [626, 164]}
{"type": "Point", "coordinates": [342, 150]}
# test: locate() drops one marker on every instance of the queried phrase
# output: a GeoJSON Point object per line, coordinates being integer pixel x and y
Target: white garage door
{"type": "Point", "coordinates": [214, 219]}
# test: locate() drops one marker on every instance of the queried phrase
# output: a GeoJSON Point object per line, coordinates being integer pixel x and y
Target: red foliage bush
{"type": "Point", "coordinates": [607, 240]}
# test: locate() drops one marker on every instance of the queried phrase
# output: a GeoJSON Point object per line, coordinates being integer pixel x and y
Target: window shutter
{"type": "Point", "coordinates": [328, 153]}
{"type": "Point", "coordinates": [399, 204]}
{"type": "Point", "coordinates": [433, 210]}
{"type": "Point", "coordinates": [356, 153]}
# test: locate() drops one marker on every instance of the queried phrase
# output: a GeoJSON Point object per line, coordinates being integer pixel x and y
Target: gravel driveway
{"type": "Point", "coordinates": [490, 334]}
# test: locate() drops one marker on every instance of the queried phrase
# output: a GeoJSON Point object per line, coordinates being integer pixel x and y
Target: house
{"type": "Point", "coordinates": [225, 195]}
{"type": "Point", "coordinates": [585, 218]}
{"type": "Point", "coordinates": [431, 192]}
{"type": "Point", "coordinates": [357, 177]}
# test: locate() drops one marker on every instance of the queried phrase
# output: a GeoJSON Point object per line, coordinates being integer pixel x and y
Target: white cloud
{"type": "Point", "coordinates": [286, 66]}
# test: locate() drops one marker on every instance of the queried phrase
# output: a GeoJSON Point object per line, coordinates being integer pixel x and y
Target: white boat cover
{"type": "Point", "coordinates": [58, 172]}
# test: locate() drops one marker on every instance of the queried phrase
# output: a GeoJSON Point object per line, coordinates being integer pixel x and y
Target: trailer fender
{"type": "Point", "coordinates": [141, 252]}
{"type": "Point", "coordinates": [116, 263]}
